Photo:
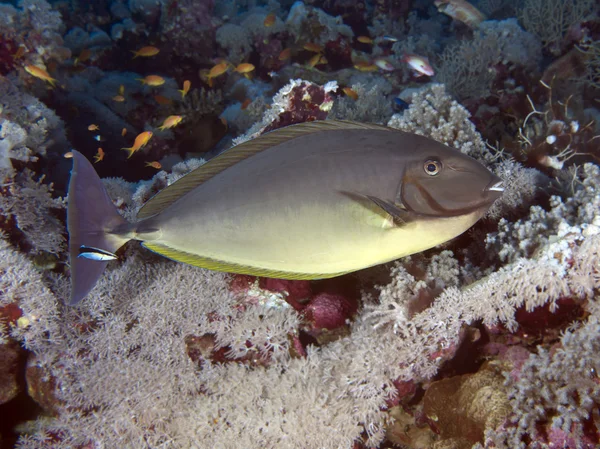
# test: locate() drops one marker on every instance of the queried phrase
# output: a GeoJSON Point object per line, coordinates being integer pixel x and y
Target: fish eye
{"type": "Point", "coordinates": [432, 167]}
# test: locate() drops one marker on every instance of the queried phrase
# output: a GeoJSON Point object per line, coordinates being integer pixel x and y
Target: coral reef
{"type": "Point", "coordinates": [490, 340]}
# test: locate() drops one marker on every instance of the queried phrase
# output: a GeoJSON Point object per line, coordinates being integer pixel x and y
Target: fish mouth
{"type": "Point", "coordinates": [494, 190]}
{"type": "Point", "coordinates": [497, 186]}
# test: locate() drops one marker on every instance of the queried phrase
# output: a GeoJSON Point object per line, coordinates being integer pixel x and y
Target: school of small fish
{"type": "Point", "coordinates": [459, 10]}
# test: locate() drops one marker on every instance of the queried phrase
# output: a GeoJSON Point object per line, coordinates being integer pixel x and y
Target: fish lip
{"type": "Point", "coordinates": [495, 187]}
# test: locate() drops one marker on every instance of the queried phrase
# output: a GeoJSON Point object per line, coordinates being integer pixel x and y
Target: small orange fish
{"type": "Point", "coordinates": [364, 39]}
{"type": "Point", "coordinates": [140, 142]}
{"type": "Point", "coordinates": [218, 69]}
{"type": "Point", "coordinates": [93, 127]}
{"type": "Point", "coordinates": [245, 67]}
{"type": "Point", "coordinates": [85, 55]}
{"type": "Point", "coordinates": [119, 98]}
{"type": "Point", "coordinates": [40, 73]}
{"type": "Point", "coordinates": [351, 93]}
{"type": "Point", "coordinates": [170, 122]}
{"type": "Point", "coordinates": [162, 100]}
{"type": "Point", "coordinates": [311, 46]}
{"type": "Point", "coordinates": [20, 52]}
{"type": "Point", "coordinates": [186, 88]}
{"type": "Point", "coordinates": [145, 52]}
{"type": "Point", "coordinates": [99, 155]}
{"type": "Point", "coordinates": [285, 54]}
{"type": "Point", "coordinates": [365, 66]}
{"type": "Point", "coordinates": [68, 155]}
{"type": "Point", "coordinates": [270, 20]}
{"type": "Point", "coordinates": [123, 132]}
{"type": "Point", "coordinates": [461, 10]}
{"type": "Point", "coordinates": [317, 59]}
{"type": "Point", "coordinates": [154, 164]}
{"type": "Point", "coordinates": [246, 103]}
{"type": "Point", "coordinates": [121, 90]}
{"type": "Point", "coordinates": [152, 80]}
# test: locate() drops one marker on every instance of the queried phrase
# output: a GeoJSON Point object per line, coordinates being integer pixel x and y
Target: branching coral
{"type": "Point", "coordinates": [373, 104]}
{"type": "Point", "coordinates": [235, 40]}
{"type": "Point", "coordinates": [550, 20]}
{"type": "Point", "coordinates": [311, 24]}
{"type": "Point", "coordinates": [27, 127]}
{"type": "Point", "coordinates": [433, 113]}
{"type": "Point", "coordinates": [32, 207]}
{"type": "Point", "coordinates": [469, 67]}
{"type": "Point", "coordinates": [579, 214]}
{"type": "Point", "coordinates": [550, 136]}
{"type": "Point", "coordinates": [554, 393]}
{"type": "Point", "coordinates": [37, 28]}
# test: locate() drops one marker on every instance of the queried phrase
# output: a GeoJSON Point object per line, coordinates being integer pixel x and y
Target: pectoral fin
{"type": "Point", "coordinates": [398, 212]}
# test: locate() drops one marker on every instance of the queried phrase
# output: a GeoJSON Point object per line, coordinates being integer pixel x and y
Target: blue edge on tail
{"type": "Point", "coordinates": [91, 216]}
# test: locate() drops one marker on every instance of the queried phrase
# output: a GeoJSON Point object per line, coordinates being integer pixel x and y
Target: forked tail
{"type": "Point", "coordinates": [95, 227]}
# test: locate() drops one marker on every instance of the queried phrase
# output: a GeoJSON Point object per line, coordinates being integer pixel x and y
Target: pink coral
{"type": "Point", "coordinates": [329, 310]}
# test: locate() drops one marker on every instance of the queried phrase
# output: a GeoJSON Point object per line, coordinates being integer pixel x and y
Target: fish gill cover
{"type": "Point", "coordinates": [489, 340]}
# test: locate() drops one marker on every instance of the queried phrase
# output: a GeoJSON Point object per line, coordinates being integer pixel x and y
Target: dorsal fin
{"type": "Point", "coordinates": [172, 193]}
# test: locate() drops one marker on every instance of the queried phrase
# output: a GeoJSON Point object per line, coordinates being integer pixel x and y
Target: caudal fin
{"type": "Point", "coordinates": [92, 221]}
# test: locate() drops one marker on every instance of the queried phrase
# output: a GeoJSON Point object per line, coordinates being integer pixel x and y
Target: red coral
{"type": "Point", "coordinates": [307, 102]}
{"type": "Point", "coordinates": [329, 310]}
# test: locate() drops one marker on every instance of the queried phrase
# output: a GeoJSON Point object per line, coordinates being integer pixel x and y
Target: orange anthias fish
{"type": "Point", "coordinates": [170, 122]}
{"type": "Point", "coordinates": [85, 55]}
{"type": "Point", "coordinates": [99, 155]}
{"type": "Point", "coordinates": [154, 164]}
{"type": "Point", "coordinates": [218, 70]}
{"type": "Point", "coordinates": [93, 127]}
{"type": "Point", "coordinates": [317, 59]}
{"type": "Point", "coordinates": [119, 98]}
{"type": "Point", "coordinates": [20, 52]}
{"type": "Point", "coordinates": [364, 66]}
{"type": "Point", "coordinates": [246, 103]}
{"type": "Point", "coordinates": [40, 73]}
{"type": "Point", "coordinates": [152, 80]}
{"type": "Point", "coordinates": [245, 67]}
{"type": "Point", "coordinates": [186, 88]}
{"type": "Point", "coordinates": [311, 46]}
{"type": "Point", "coordinates": [123, 132]}
{"type": "Point", "coordinates": [351, 93]}
{"type": "Point", "coordinates": [419, 64]}
{"type": "Point", "coordinates": [270, 20]}
{"type": "Point", "coordinates": [285, 54]}
{"type": "Point", "coordinates": [121, 90]}
{"type": "Point", "coordinates": [364, 39]}
{"type": "Point", "coordinates": [140, 142]}
{"type": "Point", "coordinates": [145, 52]}
{"type": "Point", "coordinates": [461, 10]}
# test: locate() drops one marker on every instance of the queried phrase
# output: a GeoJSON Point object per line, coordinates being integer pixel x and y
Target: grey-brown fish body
{"type": "Point", "coordinates": [292, 205]}
{"type": "Point", "coordinates": [313, 201]}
